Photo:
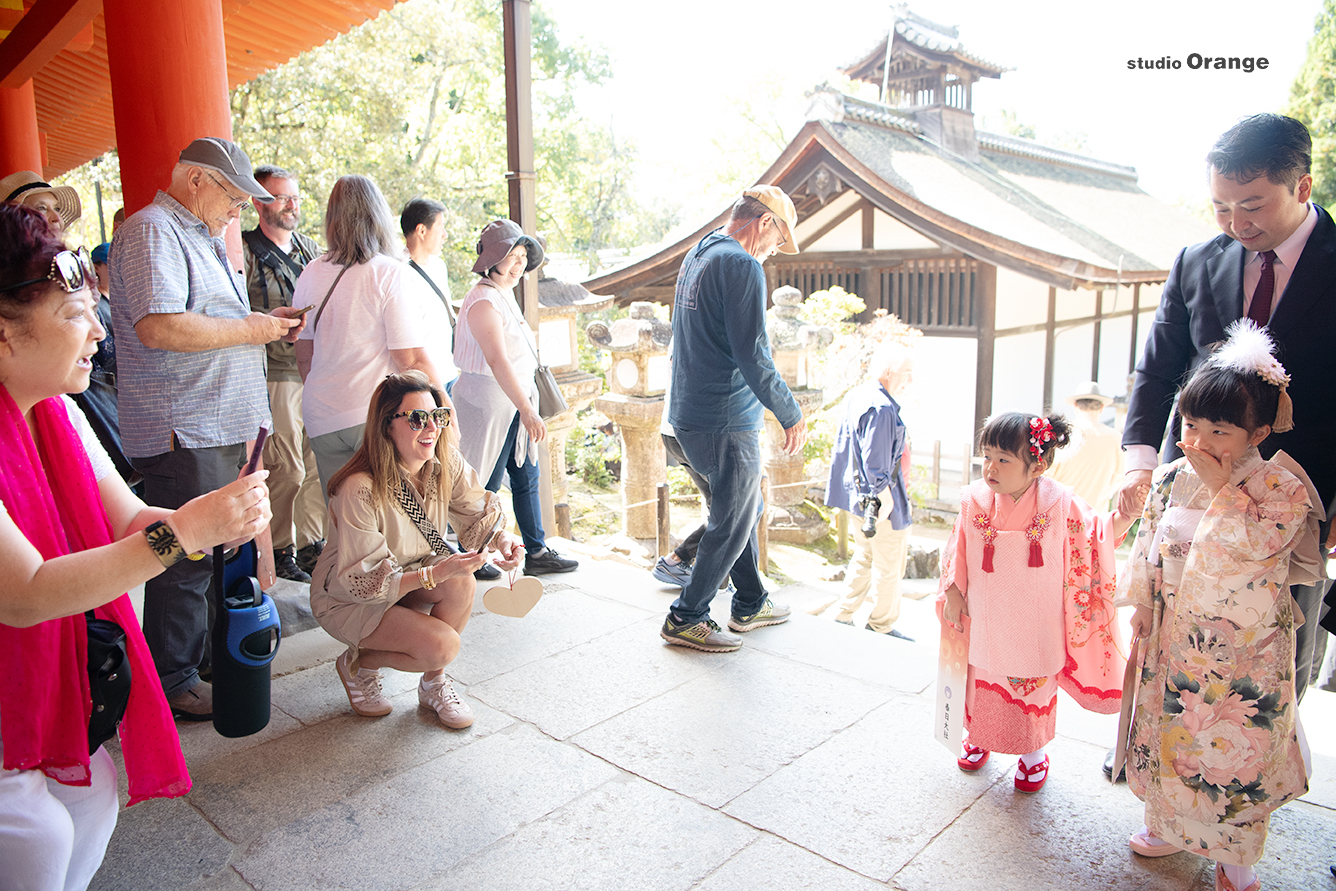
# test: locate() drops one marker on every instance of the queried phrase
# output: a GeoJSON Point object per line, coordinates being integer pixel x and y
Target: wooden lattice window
{"type": "Point", "coordinates": [938, 293]}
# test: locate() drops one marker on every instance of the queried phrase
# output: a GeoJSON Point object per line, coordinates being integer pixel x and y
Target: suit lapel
{"type": "Point", "coordinates": [1225, 273]}
{"type": "Point", "coordinates": [1311, 277]}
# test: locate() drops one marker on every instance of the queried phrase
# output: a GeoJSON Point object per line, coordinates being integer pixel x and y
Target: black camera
{"type": "Point", "coordinates": [870, 505]}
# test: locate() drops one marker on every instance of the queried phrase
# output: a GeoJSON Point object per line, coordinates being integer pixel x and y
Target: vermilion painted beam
{"type": "Point", "coordinates": [46, 29]}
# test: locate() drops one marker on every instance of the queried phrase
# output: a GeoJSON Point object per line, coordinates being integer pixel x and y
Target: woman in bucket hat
{"type": "Point", "coordinates": [59, 204]}
{"type": "Point", "coordinates": [495, 397]}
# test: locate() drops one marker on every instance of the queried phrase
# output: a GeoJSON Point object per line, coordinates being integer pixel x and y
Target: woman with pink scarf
{"type": "Point", "coordinates": [73, 539]}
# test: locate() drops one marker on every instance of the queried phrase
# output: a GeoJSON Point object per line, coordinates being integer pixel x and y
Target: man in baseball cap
{"type": "Point", "coordinates": [723, 380]}
{"type": "Point", "coordinates": [191, 379]}
{"type": "Point", "coordinates": [228, 159]}
{"type": "Point", "coordinates": [782, 211]}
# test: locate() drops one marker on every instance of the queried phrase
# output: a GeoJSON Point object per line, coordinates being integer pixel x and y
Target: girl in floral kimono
{"type": "Point", "coordinates": [1214, 745]}
{"type": "Point", "coordinates": [1031, 564]}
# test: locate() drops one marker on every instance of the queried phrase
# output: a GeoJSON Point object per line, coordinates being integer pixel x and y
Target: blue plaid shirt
{"type": "Point", "coordinates": [165, 261]}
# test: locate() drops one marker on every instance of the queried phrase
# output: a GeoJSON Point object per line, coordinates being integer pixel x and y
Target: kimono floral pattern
{"type": "Point", "coordinates": [1213, 749]}
{"type": "Point", "coordinates": [1007, 713]}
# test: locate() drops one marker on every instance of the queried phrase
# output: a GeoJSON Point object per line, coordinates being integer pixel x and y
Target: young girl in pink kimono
{"type": "Point", "coordinates": [1215, 746]}
{"type": "Point", "coordinates": [1032, 566]}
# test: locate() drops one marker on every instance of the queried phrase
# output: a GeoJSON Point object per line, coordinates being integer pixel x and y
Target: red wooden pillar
{"type": "Point", "coordinates": [168, 65]}
{"type": "Point", "coordinates": [20, 144]}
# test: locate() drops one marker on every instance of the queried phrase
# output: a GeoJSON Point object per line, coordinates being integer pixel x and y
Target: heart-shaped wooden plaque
{"type": "Point", "coordinates": [514, 600]}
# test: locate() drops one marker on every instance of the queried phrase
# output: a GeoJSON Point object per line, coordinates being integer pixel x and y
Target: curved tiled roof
{"type": "Point", "coordinates": [883, 115]}
{"type": "Point", "coordinates": [939, 39]}
{"type": "Point", "coordinates": [1028, 148]}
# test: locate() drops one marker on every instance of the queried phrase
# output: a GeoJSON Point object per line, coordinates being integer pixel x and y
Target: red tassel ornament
{"type": "Point", "coordinates": [1035, 533]}
{"type": "Point", "coordinates": [985, 527]}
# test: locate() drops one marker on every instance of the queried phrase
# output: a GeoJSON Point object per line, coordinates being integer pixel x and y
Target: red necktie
{"type": "Point", "coordinates": [1259, 310]}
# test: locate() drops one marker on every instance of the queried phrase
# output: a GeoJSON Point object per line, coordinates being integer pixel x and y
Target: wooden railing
{"type": "Point", "coordinates": [933, 292]}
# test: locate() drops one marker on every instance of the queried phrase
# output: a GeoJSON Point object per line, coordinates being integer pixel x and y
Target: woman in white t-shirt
{"type": "Point", "coordinates": [495, 397]}
{"type": "Point", "coordinates": [369, 320]}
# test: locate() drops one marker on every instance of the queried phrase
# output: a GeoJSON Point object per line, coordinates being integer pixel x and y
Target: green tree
{"type": "Point", "coordinates": [416, 100]}
{"type": "Point", "coordinates": [1012, 125]}
{"type": "Point", "coordinates": [1313, 102]}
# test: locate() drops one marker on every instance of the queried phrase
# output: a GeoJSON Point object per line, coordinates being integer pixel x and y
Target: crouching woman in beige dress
{"type": "Point", "coordinates": [386, 584]}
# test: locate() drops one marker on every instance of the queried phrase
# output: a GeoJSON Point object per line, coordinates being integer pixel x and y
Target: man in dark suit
{"type": "Point", "coordinates": [1275, 263]}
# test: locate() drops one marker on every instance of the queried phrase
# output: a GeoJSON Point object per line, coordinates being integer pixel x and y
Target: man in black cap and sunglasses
{"type": "Point", "coordinates": [191, 376]}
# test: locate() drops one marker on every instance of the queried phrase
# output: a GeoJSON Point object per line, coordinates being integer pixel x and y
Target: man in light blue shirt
{"type": "Point", "coordinates": [191, 376]}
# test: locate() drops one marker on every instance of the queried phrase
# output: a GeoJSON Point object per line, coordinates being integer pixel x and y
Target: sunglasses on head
{"type": "Point", "coordinates": [72, 270]}
{"type": "Point", "coordinates": [417, 418]}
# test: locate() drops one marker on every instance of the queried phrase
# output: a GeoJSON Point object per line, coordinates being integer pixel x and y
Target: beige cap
{"type": "Point", "coordinates": [781, 206]}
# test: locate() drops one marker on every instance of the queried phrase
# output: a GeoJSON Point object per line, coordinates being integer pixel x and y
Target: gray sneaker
{"type": "Point", "coordinates": [704, 635]}
{"type": "Point", "coordinates": [669, 573]}
{"type": "Point", "coordinates": [770, 613]}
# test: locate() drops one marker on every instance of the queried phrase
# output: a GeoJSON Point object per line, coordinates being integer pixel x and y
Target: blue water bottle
{"type": "Point", "coordinates": [246, 634]}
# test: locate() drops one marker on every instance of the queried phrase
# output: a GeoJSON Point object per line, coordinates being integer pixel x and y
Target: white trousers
{"type": "Point", "coordinates": [53, 837]}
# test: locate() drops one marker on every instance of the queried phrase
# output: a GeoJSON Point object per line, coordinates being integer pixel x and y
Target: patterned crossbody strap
{"type": "Point", "coordinates": [408, 501]}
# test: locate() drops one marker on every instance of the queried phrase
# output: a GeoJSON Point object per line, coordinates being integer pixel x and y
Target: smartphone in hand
{"type": "Point", "coordinates": [254, 461]}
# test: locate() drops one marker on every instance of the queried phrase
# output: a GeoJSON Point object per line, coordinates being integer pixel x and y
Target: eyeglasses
{"type": "Point", "coordinates": [72, 270]}
{"type": "Point", "coordinates": [417, 418]}
{"type": "Point", "coordinates": [237, 203]}
{"type": "Point", "coordinates": [287, 199]}
{"type": "Point", "coordinates": [782, 240]}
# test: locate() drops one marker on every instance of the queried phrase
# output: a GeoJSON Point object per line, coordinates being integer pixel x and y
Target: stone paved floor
{"type": "Point", "coordinates": [604, 759]}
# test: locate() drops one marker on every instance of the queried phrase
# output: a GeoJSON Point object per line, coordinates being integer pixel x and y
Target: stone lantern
{"type": "Point", "coordinates": [637, 378]}
{"type": "Point", "coordinates": [792, 343]}
{"type": "Point", "coordinates": [560, 304]}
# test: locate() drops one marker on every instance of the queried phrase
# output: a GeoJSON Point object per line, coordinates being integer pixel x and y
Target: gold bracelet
{"type": "Point", "coordinates": [427, 577]}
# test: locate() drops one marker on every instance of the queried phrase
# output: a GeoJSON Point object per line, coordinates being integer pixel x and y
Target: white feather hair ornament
{"type": "Point", "coordinates": [1249, 349]}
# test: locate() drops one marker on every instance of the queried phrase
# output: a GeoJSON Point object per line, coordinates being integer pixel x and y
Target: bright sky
{"type": "Point", "coordinates": [679, 66]}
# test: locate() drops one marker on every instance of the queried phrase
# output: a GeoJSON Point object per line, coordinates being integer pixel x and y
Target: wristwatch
{"type": "Point", "coordinates": [165, 547]}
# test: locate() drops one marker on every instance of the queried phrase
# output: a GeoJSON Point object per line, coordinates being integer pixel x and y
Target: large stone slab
{"type": "Point", "coordinates": [1070, 836]}
{"type": "Point", "coordinates": [854, 652]}
{"type": "Point", "coordinates": [719, 734]}
{"type": "Point", "coordinates": [576, 689]}
{"type": "Point", "coordinates": [260, 790]}
{"type": "Point", "coordinates": [872, 797]}
{"type": "Point", "coordinates": [161, 845]}
{"type": "Point", "coordinates": [494, 645]}
{"type": "Point", "coordinates": [317, 694]}
{"type": "Point", "coordinates": [770, 862]}
{"type": "Point", "coordinates": [421, 822]}
{"type": "Point", "coordinates": [202, 744]}
{"type": "Point", "coordinates": [626, 833]}
{"type": "Point", "coordinates": [1300, 848]}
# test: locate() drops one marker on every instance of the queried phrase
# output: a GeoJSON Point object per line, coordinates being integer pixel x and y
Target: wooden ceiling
{"type": "Point", "coordinates": [62, 46]}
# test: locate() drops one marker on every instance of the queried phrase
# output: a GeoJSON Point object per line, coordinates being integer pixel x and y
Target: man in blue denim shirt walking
{"type": "Point", "coordinates": [723, 380]}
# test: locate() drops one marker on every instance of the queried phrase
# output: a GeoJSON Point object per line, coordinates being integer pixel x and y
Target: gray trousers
{"type": "Point", "coordinates": [1308, 637]}
{"type": "Point", "coordinates": [332, 451]}
{"type": "Point", "coordinates": [176, 603]}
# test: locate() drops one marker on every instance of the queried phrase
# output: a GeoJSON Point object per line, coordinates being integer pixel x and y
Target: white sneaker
{"type": "Point", "coordinates": [439, 695]}
{"type": "Point", "coordinates": [363, 689]}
